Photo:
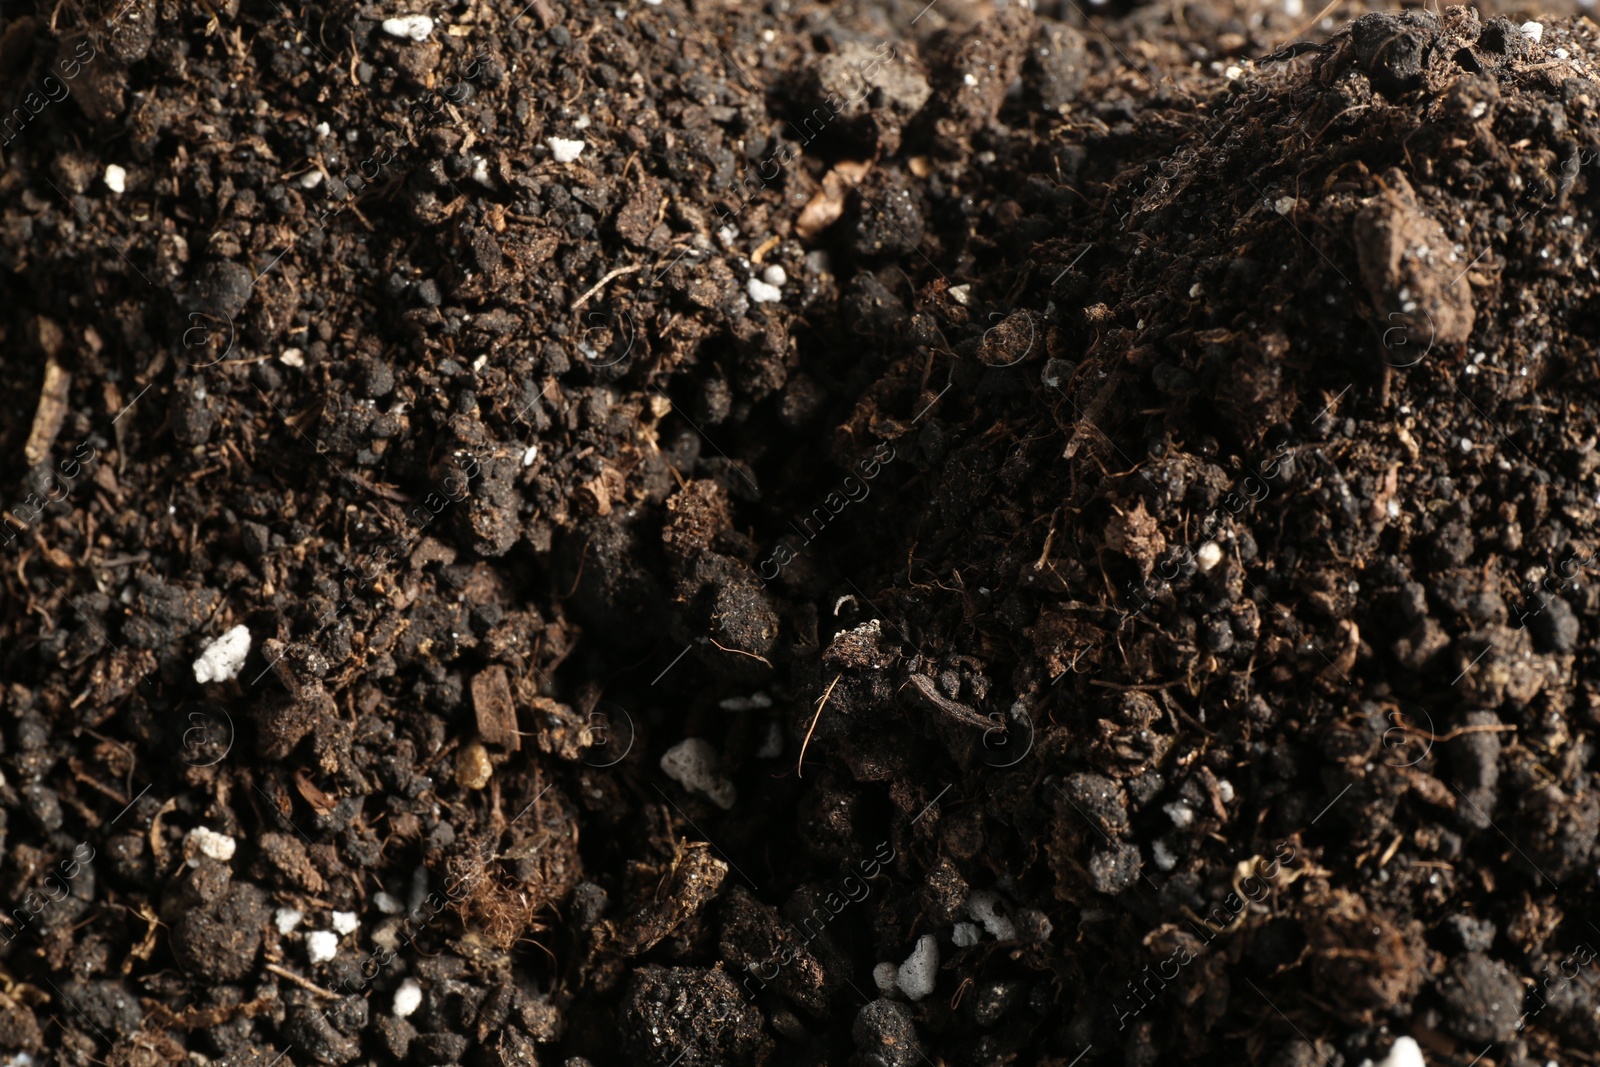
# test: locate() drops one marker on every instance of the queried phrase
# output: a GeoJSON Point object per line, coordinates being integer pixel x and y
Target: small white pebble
{"type": "Point", "coordinates": [582, 122]}
{"type": "Point", "coordinates": [322, 946]}
{"type": "Point", "coordinates": [287, 919]}
{"type": "Point", "coordinates": [918, 975]}
{"type": "Point", "coordinates": [416, 27]}
{"type": "Point", "coordinates": [1561, 53]}
{"type": "Point", "coordinates": [1179, 812]}
{"type": "Point", "coordinates": [1533, 31]}
{"type": "Point", "coordinates": [1465, 444]}
{"type": "Point", "coordinates": [480, 170]}
{"type": "Point", "coordinates": [407, 999]}
{"type": "Point", "coordinates": [223, 659]}
{"type": "Point", "coordinates": [292, 357]}
{"type": "Point", "coordinates": [1209, 556]}
{"type": "Point", "coordinates": [389, 905]}
{"type": "Point", "coordinates": [310, 179]}
{"type": "Point", "coordinates": [965, 935]}
{"type": "Point", "coordinates": [961, 294]}
{"type": "Point", "coordinates": [1225, 789]}
{"type": "Point", "coordinates": [1284, 204]}
{"type": "Point", "coordinates": [345, 922]}
{"type": "Point", "coordinates": [1233, 73]}
{"type": "Point", "coordinates": [219, 847]}
{"type": "Point", "coordinates": [1164, 856]}
{"type": "Point", "coordinates": [774, 275]}
{"type": "Point", "coordinates": [116, 179]}
{"type": "Point", "coordinates": [883, 977]}
{"type": "Point", "coordinates": [1195, 290]}
{"type": "Point", "coordinates": [563, 150]}
{"type": "Point", "coordinates": [762, 293]}
{"type": "Point", "coordinates": [323, 129]}
{"type": "Point", "coordinates": [530, 454]}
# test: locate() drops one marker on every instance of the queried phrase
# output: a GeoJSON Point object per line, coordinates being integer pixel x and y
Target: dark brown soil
{"type": "Point", "coordinates": [940, 536]}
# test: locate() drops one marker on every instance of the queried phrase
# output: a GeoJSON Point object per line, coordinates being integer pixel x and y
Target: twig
{"type": "Point", "coordinates": [601, 284]}
{"type": "Point", "coordinates": [303, 983]}
{"type": "Point", "coordinates": [799, 771]}
{"type": "Point", "coordinates": [738, 651]}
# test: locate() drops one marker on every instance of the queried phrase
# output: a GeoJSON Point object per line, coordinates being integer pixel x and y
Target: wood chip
{"type": "Point", "coordinates": [497, 714]}
{"type": "Point", "coordinates": [50, 414]}
{"type": "Point", "coordinates": [825, 208]}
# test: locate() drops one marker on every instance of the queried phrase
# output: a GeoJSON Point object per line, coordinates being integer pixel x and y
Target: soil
{"type": "Point", "coordinates": [865, 534]}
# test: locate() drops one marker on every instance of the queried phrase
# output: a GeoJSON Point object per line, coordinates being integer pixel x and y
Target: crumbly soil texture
{"type": "Point", "coordinates": [687, 533]}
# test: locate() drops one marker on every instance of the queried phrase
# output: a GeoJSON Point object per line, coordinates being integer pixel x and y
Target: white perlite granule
{"type": "Point", "coordinates": [223, 659]}
{"type": "Point", "coordinates": [387, 903]}
{"type": "Point", "coordinates": [1533, 31]}
{"type": "Point", "coordinates": [984, 906]}
{"type": "Point", "coordinates": [965, 935]}
{"type": "Point", "coordinates": [693, 764]}
{"type": "Point", "coordinates": [345, 922]}
{"type": "Point", "coordinates": [762, 293]}
{"type": "Point", "coordinates": [883, 977]}
{"type": "Point", "coordinates": [416, 27]}
{"type": "Point", "coordinates": [322, 946]}
{"type": "Point", "coordinates": [287, 919]}
{"type": "Point", "coordinates": [407, 999]}
{"type": "Point", "coordinates": [918, 974]}
{"type": "Point", "coordinates": [219, 847]}
{"type": "Point", "coordinates": [1404, 1053]}
{"type": "Point", "coordinates": [563, 150]}
{"type": "Point", "coordinates": [116, 179]}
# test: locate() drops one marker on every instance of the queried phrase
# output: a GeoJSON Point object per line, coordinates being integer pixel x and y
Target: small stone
{"type": "Point", "coordinates": [965, 935]}
{"type": "Point", "coordinates": [416, 27]}
{"type": "Point", "coordinates": [1209, 556]}
{"type": "Point", "coordinates": [1533, 31]}
{"type": "Point", "coordinates": [775, 275]}
{"type": "Point", "coordinates": [116, 179]}
{"type": "Point", "coordinates": [883, 976]}
{"type": "Point", "coordinates": [473, 769]}
{"type": "Point", "coordinates": [388, 904]}
{"type": "Point", "coordinates": [885, 1034]}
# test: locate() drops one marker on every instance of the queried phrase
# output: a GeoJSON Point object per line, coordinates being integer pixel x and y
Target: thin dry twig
{"type": "Point", "coordinates": [799, 771]}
